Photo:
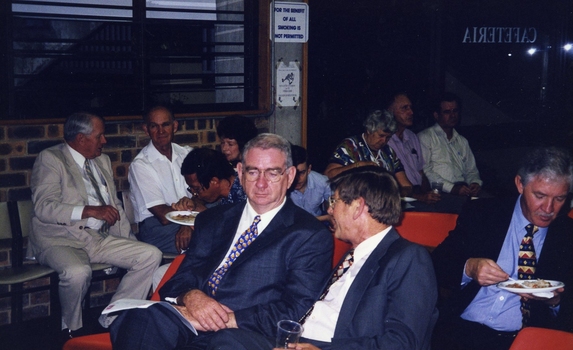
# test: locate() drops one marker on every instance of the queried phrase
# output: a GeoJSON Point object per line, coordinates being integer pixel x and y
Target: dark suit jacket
{"type": "Point", "coordinates": [392, 302]}
{"type": "Point", "coordinates": [479, 233]}
{"type": "Point", "coordinates": [278, 276]}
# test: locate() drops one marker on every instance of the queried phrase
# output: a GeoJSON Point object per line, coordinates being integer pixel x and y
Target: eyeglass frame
{"type": "Point", "coordinates": [332, 201]}
{"type": "Point", "coordinates": [193, 192]}
{"type": "Point", "coordinates": [264, 172]}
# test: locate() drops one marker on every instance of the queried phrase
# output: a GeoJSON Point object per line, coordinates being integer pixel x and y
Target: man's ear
{"type": "Point", "coordinates": [359, 206]}
{"type": "Point", "coordinates": [291, 173]}
{"type": "Point", "coordinates": [436, 116]}
{"type": "Point", "coordinates": [309, 168]}
{"type": "Point", "coordinates": [144, 127]}
{"type": "Point", "coordinates": [518, 184]}
{"type": "Point", "coordinates": [175, 126]}
{"type": "Point", "coordinates": [240, 172]}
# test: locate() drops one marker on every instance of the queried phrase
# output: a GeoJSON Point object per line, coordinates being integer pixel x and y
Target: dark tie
{"type": "Point", "coordinates": [104, 229]}
{"type": "Point", "coordinates": [240, 245]}
{"type": "Point", "coordinates": [340, 270]}
{"type": "Point", "coordinates": [526, 264]}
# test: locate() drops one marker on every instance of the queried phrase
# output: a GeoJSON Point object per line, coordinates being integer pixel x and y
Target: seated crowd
{"type": "Point", "coordinates": [261, 247]}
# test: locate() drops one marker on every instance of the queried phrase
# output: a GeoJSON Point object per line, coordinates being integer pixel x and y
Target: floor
{"type": "Point", "coordinates": [38, 334]}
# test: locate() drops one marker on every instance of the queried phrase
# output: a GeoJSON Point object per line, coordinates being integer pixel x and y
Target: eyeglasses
{"type": "Point", "coordinates": [195, 190]}
{"type": "Point", "coordinates": [332, 201]}
{"type": "Point", "coordinates": [272, 175]}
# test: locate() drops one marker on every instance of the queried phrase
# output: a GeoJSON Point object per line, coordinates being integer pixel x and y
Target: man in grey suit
{"type": "Point", "coordinates": [383, 293]}
{"type": "Point", "coordinates": [278, 273]}
{"type": "Point", "coordinates": [78, 220]}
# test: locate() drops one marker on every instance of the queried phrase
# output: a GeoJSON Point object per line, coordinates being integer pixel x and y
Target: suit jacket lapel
{"type": "Point", "coordinates": [363, 280]}
{"type": "Point", "coordinates": [276, 227]}
{"type": "Point", "coordinates": [74, 170]}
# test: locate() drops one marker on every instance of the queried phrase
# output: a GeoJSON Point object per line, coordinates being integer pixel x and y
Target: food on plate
{"type": "Point", "coordinates": [539, 283]}
{"type": "Point", "coordinates": [184, 218]}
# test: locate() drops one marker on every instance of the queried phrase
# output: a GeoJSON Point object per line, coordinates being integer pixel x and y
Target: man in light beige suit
{"type": "Point", "coordinates": [78, 220]}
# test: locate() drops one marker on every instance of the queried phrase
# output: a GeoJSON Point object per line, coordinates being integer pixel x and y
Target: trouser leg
{"type": "Point", "coordinates": [154, 328]}
{"type": "Point", "coordinates": [73, 268]}
{"type": "Point", "coordinates": [139, 259]}
{"type": "Point", "coordinates": [153, 232]}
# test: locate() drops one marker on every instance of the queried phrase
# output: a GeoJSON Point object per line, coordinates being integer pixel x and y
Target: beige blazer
{"type": "Point", "coordinates": [57, 187]}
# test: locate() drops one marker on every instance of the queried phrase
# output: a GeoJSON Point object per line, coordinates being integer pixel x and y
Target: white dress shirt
{"type": "Point", "coordinates": [321, 323]}
{"type": "Point", "coordinates": [448, 161]}
{"type": "Point", "coordinates": [246, 221]}
{"type": "Point", "coordinates": [93, 198]}
{"type": "Point", "coordinates": [154, 180]}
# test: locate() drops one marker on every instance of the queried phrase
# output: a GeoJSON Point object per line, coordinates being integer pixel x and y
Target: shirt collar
{"type": "Point", "coordinates": [366, 247]}
{"type": "Point", "coordinates": [78, 158]}
{"type": "Point", "coordinates": [154, 154]}
{"type": "Point", "coordinates": [441, 131]}
{"type": "Point", "coordinates": [521, 221]}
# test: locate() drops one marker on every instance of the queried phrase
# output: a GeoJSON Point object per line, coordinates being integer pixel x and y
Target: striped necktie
{"type": "Point", "coordinates": [527, 262]}
{"type": "Point", "coordinates": [240, 245]}
{"type": "Point", "coordinates": [104, 229]}
{"type": "Point", "coordinates": [336, 275]}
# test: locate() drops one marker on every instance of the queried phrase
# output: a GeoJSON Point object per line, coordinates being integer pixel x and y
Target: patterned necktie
{"type": "Point", "coordinates": [104, 229]}
{"type": "Point", "coordinates": [240, 245]}
{"type": "Point", "coordinates": [526, 264]}
{"type": "Point", "coordinates": [340, 270]}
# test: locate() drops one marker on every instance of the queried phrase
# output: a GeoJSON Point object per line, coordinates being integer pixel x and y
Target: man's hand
{"type": "Point", "coordinates": [103, 212]}
{"type": "Point", "coordinates": [188, 317]}
{"type": "Point", "coordinates": [184, 203]}
{"type": "Point", "coordinates": [428, 197]}
{"type": "Point", "coordinates": [461, 190]}
{"type": "Point", "coordinates": [474, 189]}
{"type": "Point", "coordinates": [485, 271]}
{"type": "Point", "coordinates": [551, 301]}
{"type": "Point", "coordinates": [210, 314]}
{"type": "Point", "coordinates": [182, 237]}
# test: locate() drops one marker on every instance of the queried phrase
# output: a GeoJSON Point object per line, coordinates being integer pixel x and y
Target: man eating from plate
{"type": "Point", "coordinates": [156, 182]}
{"type": "Point", "coordinates": [499, 240]}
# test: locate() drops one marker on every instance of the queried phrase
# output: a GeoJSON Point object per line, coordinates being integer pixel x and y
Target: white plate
{"type": "Point", "coordinates": [408, 199]}
{"type": "Point", "coordinates": [171, 216]}
{"type": "Point", "coordinates": [554, 285]}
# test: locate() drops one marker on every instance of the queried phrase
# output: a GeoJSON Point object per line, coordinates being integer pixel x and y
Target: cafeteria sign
{"type": "Point", "coordinates": [291, 22]}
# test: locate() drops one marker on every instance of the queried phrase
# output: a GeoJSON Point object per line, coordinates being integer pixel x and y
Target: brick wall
{"type": "Point", "coordinates": [19, 146]}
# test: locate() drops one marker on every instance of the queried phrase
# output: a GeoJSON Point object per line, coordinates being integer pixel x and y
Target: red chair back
{"type": "Point", "coordinates": [102, 341]}
{"type": "Point", "coordinates": [168, 274]}
{"type": "Point", "coordinates": [534, 338]}
{"type": "Point", "coordinates": [340, 248]}
{"type": "Point", "coordinates": [571, 213]}
{"type": "Point", "coordinates": [427, 229]}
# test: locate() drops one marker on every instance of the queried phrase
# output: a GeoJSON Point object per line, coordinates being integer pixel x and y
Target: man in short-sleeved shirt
{"type": "Point", "coordinates": [156, 182]}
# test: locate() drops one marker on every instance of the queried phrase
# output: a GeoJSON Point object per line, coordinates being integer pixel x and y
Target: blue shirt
{"type": "Point", "coordinates": [494, 307]}
{"type": "Point", "coordinates": [317, 191]}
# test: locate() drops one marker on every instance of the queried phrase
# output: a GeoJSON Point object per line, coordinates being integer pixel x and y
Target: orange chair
{"type": "Point", "coordinates": [427, 229]}
{"type": "Point", "coordinates": [534, 338]}
{"type": "Point", "coordinates": [340, 248]}
{"type": "Point", "coordinates": [102, 341]}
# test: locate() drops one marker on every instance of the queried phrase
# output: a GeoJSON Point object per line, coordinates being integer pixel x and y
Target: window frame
{"type": "Point", "coordinates": [257, 32]}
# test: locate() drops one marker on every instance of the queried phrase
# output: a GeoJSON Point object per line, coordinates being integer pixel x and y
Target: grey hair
{"type": "Point", "coordinates": [380, 120]}
{"type": "Point", "coordinates": [78, 123]}
{"type": "Point", "coordinates": [549, 163]}
{"type": "Point", "coordinates": [268, 141]}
